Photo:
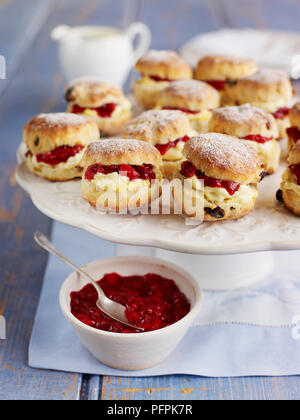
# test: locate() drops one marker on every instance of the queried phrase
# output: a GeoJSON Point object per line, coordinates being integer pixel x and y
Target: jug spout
{"type": "Point", "coordinates": [60, 32]}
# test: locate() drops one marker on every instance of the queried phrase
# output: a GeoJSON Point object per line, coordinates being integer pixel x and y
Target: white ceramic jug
{"type": "Point", "coordinates": [105, 52]}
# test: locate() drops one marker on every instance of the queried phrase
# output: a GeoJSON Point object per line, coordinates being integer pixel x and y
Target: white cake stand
{"type": "Point", "coordinates": [223, 255]}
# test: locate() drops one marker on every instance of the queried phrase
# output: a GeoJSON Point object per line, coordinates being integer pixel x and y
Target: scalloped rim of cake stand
{"type": "Point", "coordinates": [167, 244]}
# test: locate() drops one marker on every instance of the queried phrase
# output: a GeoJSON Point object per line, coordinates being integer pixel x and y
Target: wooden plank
{"type": "Point", "coordinates": [18, 38]}
{"type": "Point", "coordinates": [271, 14]}
{"type": "Point", "coordinates": [37, 87]}
{"type": "Point", "coordinates": [183, 387]}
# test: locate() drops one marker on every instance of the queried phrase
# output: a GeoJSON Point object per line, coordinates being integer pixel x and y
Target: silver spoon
{"type": "Point", "coordinates": [111, 308]}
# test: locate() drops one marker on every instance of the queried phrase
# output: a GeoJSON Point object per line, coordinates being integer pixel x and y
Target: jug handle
{"type": "Point", "coordinates": [141, 30]}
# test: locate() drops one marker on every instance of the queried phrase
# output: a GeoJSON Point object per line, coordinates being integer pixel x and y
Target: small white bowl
{"type": "Point", "coordinates": [137, 350]}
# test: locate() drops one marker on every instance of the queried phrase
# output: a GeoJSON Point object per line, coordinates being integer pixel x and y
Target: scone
{"type": "Point", "coordinates": [167, 130]}
{"type": "Point", "coordinates": [121, 175]}
{"type": "Point", "coordinates": [221, 71]}
{"type": "Point", "coordinates": [56, 143]}
{"type": "Point", "coordinates": [99, 100]}
{"type": "Point", "coordinates": [196, 99]}
{"type": "Point", "coordinates": [228, 168]}
{"type": "Point", "coordinates": [158, 69]}
{"type": "Point", "coordinates": [268, 89]}
{"type": "Point", "coordinates": [254, 126]}
{"type": "Point", "coordinates": [293, 132]}
{"type": "Point", "coordinates": [290, 185]}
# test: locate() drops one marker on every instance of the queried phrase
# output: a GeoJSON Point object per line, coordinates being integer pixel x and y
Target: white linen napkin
{"type": "Point", "coordinates": [268, 48]}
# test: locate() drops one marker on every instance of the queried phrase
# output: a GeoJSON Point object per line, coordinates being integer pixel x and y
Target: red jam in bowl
{"type": "Point", "coordinates": [188, 170]}
{"type": "Point", "coordinates": [295, 169]}
{"type": "Point", "coordinates": [152, 302]}
{"type": "Point", "coordinates": [258, 138]}
{"type": "Point", "coordinates": [281, 113]}
{"type": "Point", "coordinates": [293, 133]}
{"type": "Point", "coordinates": [187, 111]}
{"type": "Point", "coordinates": [145, 171]}
{"type": "Point", "coordinates": [217, 84]}
{"type": "Point", "coordinates": [103, 111]}
{"type": "Point", "coordinates": [58, 155]}
{"type": "Point", "coordinates": [163, 148]}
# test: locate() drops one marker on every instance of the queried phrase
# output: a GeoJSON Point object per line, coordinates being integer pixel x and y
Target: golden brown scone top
{"type": "Point", "coordinates": [158, 126]}
{"type": "Point", "coordinates": [294, 155]}
{"type": "Point", "coordinates": [45, 132]}
{"type": "Point", "coordinates": [241, 121]}
{"type": "Point", "coordinates": [265, 85]}
{"type": "Point", "coordinates": [294, 115]}
{"type": "Point", "coordinates": [92, 92]}
{"type": "Point", "coordinates": [165, 64]}
{"type": "Point", "coordinates": [224, 67]}
{"type": "Point", "coordinates": [116, 151]}
{"type": "Point", "coordinates": [189, 94]}
{"type": "Point", "coordinates": [224, 157]}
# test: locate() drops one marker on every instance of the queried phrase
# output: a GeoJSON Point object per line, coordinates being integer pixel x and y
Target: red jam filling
{"type": "Point", "coordinates": [131, 171]}
{"type": "Point", "coordinates": [58, 155]}
{"type": "Point", "coordinates": [293, 133]}
{"type": "Point", "coordinates": [188, 170]}
{"type": "Point", "coordinates": [103, 111]}
{"type": "Point", "coordinates": [152, 302]}
{"type": "Point", "coordinates": [281, 113]}
{"type": "Point", "coordinates": [258, 138]}
{"type": "Point", "coordinates": [159, 79]}
{"type": "Point", "coordinates": [163, 148]}
{"type": "Point", "coordinates": [188, 111]}
{"type": "Point", "coordinates": [217, 84]}
{"type": "Point", "coordinates": [295, 169]}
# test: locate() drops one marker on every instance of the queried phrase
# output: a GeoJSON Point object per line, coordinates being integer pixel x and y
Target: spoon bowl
{"type": "Point", "coordinates": [111, 308]}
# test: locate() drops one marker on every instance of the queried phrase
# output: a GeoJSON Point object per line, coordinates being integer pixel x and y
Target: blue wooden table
{"type": "Point", "coordinates": [34, 84]}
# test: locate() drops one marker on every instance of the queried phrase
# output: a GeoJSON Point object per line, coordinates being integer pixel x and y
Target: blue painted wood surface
{"type": "Point", "coordinates": [35, 84]}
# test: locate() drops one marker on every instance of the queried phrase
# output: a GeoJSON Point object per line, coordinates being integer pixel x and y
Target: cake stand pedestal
{"type": "Point", "coordinates": [223, 272]}
{"type": "Point", "coordinates": [214, 272]}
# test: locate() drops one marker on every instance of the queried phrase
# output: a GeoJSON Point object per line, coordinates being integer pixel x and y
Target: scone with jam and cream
{"type": "Point", "coordinates": [269, 89]}
{"type": "Point", "coordinates": [223, 71]}
{"type": "Point", "coordinates": [121, 175]}
{"type": "Point", "coordinates": [167, 130]}
{"type": "Point", "coordinates": [293, 132]}
{"type": "Point", "coordinates": [196, 99]}
{"type": "Point", "coordinates": [103, 102]}
{"type": "Point", "coordinates": [254, 126]}
{"type": "Point", "coordinates": [221, 175]}
{"type": "Point", "coordinates": [289, 191]}
{"type": "Point", "coordinates": [56, 143]}
{"type": "Point", "coordinates": [158, 68]}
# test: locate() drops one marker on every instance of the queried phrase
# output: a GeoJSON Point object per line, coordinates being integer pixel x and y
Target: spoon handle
{"type": "Point", "coordinates": [44, 242]}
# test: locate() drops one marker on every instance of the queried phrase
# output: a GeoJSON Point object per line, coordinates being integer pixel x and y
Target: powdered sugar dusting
{"type": "Point", "coordinates": [243, 114]}
{"type": "Point", "coordinates": [223, 58]}
{"type": "Point", "coordinates": [189, 89]}
{"type": "Point", "coordinates": [268, 76]}
{"type": "Point", "coordinates": [149, 120]}
{"type": "Point", "coordinates": [59, 119]}
{"type": "Point", "coordinates": [224, 151]}
{"type": "Point", "coordinates": [116, 144]}
{"type": "Point", "coordinates": [160, 56]}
